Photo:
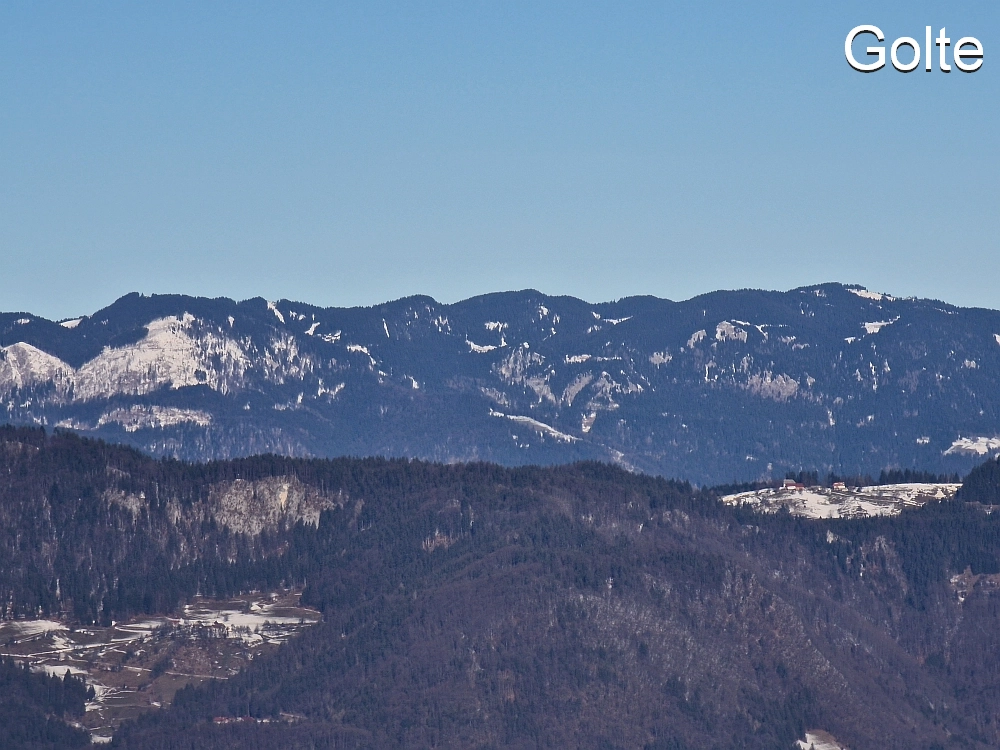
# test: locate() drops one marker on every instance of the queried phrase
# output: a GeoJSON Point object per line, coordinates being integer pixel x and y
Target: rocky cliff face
{"type": "Point", "coordinates": [243, 507]}
{"type": "Point", "coordinates": [94, 530]}
{"type": "Point", "coordinates": [730, 385]}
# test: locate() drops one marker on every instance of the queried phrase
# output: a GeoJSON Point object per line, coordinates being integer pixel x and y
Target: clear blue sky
{"type": "Point", "coordinates": [350, 153]}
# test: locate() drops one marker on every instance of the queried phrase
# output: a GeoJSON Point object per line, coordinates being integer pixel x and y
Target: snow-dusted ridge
{"type": "Point", "coordinates": [758, 374]}
{"type": "Point", "coordinates": [23, 366]}
{"type": "Point", "coordinates": [176, 352]}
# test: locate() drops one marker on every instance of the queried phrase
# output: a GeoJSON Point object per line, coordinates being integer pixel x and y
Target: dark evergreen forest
{"type": "Point", "coordinates": [472, 605]}
{"type": "Point", "coordinates": [33, 708]}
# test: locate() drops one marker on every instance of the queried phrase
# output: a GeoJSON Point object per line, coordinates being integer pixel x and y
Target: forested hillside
{"type": "Point", "coordinates": [479, 606]}
{"type": "Point", "coordinates": [33, 706]}
{"type": "Point", "coordinates": [983, 484]}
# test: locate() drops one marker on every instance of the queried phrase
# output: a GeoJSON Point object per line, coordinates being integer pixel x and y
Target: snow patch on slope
{"type": "Point", "coordinates": [660, 358]}
{"type": "Point", "coordinates": [862, 502]}
{"type": "Point", "coordinates": [136, 418]}
{"type": "Point", "coordinates": [726, 331]}
{"type": "Point", "coordinates": [514, 368]}
{"type": "Point", "coordinates": [277, 313]}
{"type": "Point", "coordinates": [25, 366]}
{"type": "Point", "coordinates": [978, 446]}
{"type": "Point", "coordinates": [877, 296]}
{"type": "Point", "coordinates": [540, 385]}
{"type": "Point", "coordinates": [696, 337]}
{"type": "Point", "coordinates": [359, 349]}
{"type": "Point", "coordinates": [169, 355]}
{"type": "Point", "coordinates": [879, 325]}
{"type": "Point", "coordinates": [473, 347]}
{"type": "Point", "coordinates": [778, 387]}
{"type": "Point", "coordinates": [576, 385]}
{"type": "Point", "coordinates": [818, 739]}
{"type": "Point", "coordinates": [172, 354]}
{"type": "Point", "coordinates": [539, 427]}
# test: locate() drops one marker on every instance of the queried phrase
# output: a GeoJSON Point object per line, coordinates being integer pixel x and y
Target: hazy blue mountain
{"type": "Point", "coordinates": [728, 385]}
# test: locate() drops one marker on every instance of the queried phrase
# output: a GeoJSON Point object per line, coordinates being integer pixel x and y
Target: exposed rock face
{"type": "Point", "coordinates": [267, 504]}
{"type": "Point", "coordinates": [243, 507]}
{"type": "Point", "coordinates": [731, 385]}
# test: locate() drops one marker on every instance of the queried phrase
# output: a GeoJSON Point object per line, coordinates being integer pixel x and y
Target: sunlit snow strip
{"type": "Point", "coordinates": [877, 296]}
{"type": "Point", "coordinates": [861, 502]}
{"type": "Point", "coordinates": [979, 446]}
{"type": "Point", "coordinates": [534, 424]}
{"type": "Point", "coordinates": [137, 418]}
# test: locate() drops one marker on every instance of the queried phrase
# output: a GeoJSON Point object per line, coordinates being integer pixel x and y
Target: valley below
{"type": "Point", "coordinates": [138, 665]}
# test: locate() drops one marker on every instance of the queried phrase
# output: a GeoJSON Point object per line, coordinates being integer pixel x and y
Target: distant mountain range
{"type": "Point", "coordinates": [732, 385]}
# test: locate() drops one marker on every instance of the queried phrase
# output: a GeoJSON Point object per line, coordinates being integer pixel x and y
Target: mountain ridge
{"type": "Point", "coordinates": [729, 385]}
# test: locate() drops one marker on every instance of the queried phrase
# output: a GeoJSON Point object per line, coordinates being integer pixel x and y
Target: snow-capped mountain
{"type": "Point", "coordinates": [729, 385]}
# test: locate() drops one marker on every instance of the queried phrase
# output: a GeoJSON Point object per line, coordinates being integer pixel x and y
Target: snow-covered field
{"type": "Point", "coordinates": [28, 628]}
{"type": "Point", "coordinates": [264, 622]}
{"type": "Point", "coordinates": [853, 502]}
